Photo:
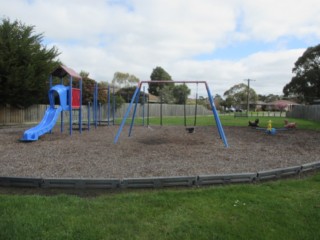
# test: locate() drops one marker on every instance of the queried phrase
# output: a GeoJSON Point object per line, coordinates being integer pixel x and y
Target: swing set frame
{"type": "Point", "coordinates": [135, 99]}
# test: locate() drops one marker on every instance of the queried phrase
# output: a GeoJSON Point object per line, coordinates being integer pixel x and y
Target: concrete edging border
{"type": "Point", "coordinates": [159, 182]}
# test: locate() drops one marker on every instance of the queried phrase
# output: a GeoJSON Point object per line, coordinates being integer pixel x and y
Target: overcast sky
{"type": "Point", "coordinates": [222, 42]}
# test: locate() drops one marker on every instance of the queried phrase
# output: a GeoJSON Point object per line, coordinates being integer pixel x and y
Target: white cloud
{"type": "Point", "coordinates": [271, 70]}
{"type": "Point", "coordinates": [102, 37]}
{"type": "Point", "coordinates": [272, 19]}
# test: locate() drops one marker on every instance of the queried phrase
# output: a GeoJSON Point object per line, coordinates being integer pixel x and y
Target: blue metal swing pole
{"type": "Point", "coordinates": [217, 119]}
{"type": "Point", "coordinates": [134, 112]}
{"type": "Point", "coordinates": [61, 114]}
{"type": "Point", "coordinates": [126, 114]}
{"type": "Point", "coordinates": [213, 106]}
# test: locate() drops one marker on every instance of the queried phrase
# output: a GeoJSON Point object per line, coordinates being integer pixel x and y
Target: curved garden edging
{"type": "Point", "coordinates": [159, 182]}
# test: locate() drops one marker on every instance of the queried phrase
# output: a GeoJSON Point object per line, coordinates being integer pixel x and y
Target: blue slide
{"type": "Point", "coordinates": [51, 115]}
{"type": "Point", "coordinates": [47, 123]}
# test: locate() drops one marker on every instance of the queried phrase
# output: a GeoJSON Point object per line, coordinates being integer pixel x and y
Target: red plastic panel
{"type": "Point", "coordinates": [76, 98]}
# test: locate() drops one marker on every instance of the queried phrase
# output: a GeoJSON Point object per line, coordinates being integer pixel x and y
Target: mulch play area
{"type": "Point", "coordinates": [153, 151]}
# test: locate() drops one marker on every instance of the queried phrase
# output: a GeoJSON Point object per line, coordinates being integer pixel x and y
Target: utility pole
{"type": "Point", "coordinates": [248, 80]}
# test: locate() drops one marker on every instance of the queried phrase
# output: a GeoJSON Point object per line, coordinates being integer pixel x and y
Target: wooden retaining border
{"type": "Point", "coordinates": [159, 182]}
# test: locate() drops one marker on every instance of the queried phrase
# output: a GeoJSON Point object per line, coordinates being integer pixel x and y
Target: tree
{"type": "Point", "coordinates": [124, 79]}
{"type": "Point", "coordinates": [127, 94]}
{"type": "Point", "coordinates": [237, 95]}
{"type": "Point", "coordinates": [25, 65]}
{"type": "Point", "coordinates": [269, 98]}
{"type": "Point", "coordinates": [103, 92]}
{"type": "Point", "coordinates": [305, 84]}
{"type": "Point", "coordinates": [84, 74]}
{"type": "Point", "coordinates": [87, 87]}
{"type": "Point", "coordinates": [181, 93]}
{"type": "Point", "coordinates": [159, 74]}
{"type": "Point", "coordinates": [281, 106]}
{"type": "Point", "coordinates": [218, 102]}
{"type": "Point", "coordinates": [166, 94]}
{"type": "Point", "coordinates": [204, 101]}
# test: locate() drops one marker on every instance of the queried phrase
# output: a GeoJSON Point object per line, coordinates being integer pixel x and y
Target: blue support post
{"type": "Point", "coordinates": [217, 119]}
{"type": "Point", "coordinates": [100, 107]}
{"type": "Point", "coordinates": [211, 101]}
{"type": "Point", "coordinates": [61, 114]}
{"type": "Point", "coordinates": [134, 112]}
{"type": "Point", "coordinates": [50, 86]}
{"type": "Point", "coordinates": [61, 122]}
{"type": "Point", "coordinates": [126, 115]}
{"type": "Point", "coordinates": [95, 105]}
{"type": "Point", "coordinates": [80, 109]}
{"type": "Point", "coordinates": [143, 103]}
{"type": "Point", "coordinates": [70, 106]}
{"type": "Point", "coordinates": [88, 116]}
{"type": "Point", "coordinates": [109, 104]}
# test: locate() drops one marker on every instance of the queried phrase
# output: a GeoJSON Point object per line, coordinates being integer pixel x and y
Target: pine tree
{"type": "Point", "coordinates": [25, 65]}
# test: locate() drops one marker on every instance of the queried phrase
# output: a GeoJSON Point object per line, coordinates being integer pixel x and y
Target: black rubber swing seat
{"type": "Point", "coordinates": [190, 129]}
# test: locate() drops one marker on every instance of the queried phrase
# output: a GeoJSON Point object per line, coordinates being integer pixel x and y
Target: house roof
{"type": "Point", "coordinates": [63, 71]}
{"type": "Point", "coordinates": [282, 102]}
{"type": "Point", "coordinates": [254, 103]}
{"type": "Point", "coordinates": [260, 103]}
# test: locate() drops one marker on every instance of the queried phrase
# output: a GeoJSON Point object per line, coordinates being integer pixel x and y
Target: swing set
{"type": "Point", "coordinates": [135, 100]}
{"type": "Point", "coordinates": [190, 129]}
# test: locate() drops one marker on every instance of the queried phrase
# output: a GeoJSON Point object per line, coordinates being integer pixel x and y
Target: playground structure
{"type": "Point", "coordinates": [271, 130]}
{"type": "Point", "coordinates": [189, 129]}
{"type": "Point", "coordinates": [289, 125]}
{"type": "Point", "coordinates": [70, 99]}
{"type": "Point", "coordinates": [97, 118]}
{"type": "Point", "coordinates": [283, 163]}
{"type": "Point", "coordinates": [135, 100]}
{"type": "Point", "coordinates": [183, 159]}
{"type": "Point", "coordinates": [67, 96]}
{"type": "Point", "coordinates": [254, 124]}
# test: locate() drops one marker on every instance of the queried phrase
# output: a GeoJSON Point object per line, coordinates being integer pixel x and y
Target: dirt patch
{"type": "Point", "coordinates": [154, 151]}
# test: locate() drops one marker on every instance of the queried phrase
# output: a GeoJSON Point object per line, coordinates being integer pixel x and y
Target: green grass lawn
{"type": "Point", "coordinates": [286, 209]}
{"type": "Point", "coordinates": [229, 120]}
